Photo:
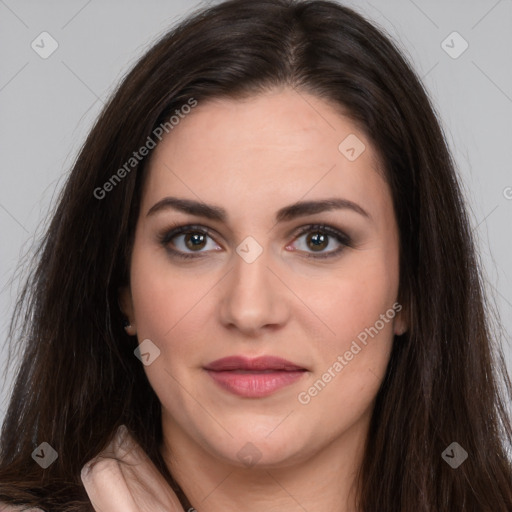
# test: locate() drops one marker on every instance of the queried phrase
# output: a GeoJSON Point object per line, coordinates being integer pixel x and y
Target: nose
{"type": "Point", "coordinates": [254, 299]}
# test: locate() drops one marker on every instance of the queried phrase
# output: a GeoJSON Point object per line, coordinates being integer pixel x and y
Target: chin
{"type": "Point", "coordinates": [252, 450]}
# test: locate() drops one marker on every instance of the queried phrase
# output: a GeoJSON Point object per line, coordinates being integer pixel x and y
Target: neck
{"type": "Point", "coordinates": [317, 482]}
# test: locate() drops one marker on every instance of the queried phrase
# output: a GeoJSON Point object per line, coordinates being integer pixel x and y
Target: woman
{"type": "Point", "coordinates": [261, 267]}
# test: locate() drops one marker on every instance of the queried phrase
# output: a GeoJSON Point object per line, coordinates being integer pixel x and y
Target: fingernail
{"type": "Point", "coordinates": [122, 438]}
{"type": "Point", "coordinates": [121, 431]}
{"type": "Point", "coordinates": [84, 473]}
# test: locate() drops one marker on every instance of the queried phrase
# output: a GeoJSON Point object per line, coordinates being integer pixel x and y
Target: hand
{"type": "Point", "coordinates": [136, 486]}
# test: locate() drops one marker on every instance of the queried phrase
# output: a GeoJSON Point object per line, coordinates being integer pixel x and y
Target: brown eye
{"type": "Point", "coordinates": [319, 238]}
{"type": "Point", "coordinates": [183, 241]}
{"type": "Point", "coordinates": [318, 241]}
{"type": "Point", "coordinates": [195, 240]}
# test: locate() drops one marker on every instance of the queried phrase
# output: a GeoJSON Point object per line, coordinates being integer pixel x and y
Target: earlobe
{"type": "Point", "coordinates": [400, 330]}
{"type": "Point", "coordinates": [400, 326]}
{"type": "Point", "coordinates": [130, 329]}
{"type": "Point", "coordinates": [124, 298]}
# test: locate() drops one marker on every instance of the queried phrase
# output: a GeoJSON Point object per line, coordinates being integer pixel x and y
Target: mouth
{"type": "Point", "coordinates": [254, 378]}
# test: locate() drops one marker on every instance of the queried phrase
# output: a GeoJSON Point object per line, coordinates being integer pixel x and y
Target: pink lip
{"type": "Point", "coordinates": [254, 378]}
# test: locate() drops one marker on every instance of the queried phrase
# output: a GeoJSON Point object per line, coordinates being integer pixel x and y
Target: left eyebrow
{"type": "Point", "coordinates": [303, 208]}
{"type": "Point", "coordinates": [299, 209]}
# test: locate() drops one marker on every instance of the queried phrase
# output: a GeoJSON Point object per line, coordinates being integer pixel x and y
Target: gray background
{"type": "Point", "coordinates": [48, 105]}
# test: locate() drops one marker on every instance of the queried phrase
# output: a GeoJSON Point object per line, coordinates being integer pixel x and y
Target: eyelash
{"type": "Point", "coordinates": [340, 237]}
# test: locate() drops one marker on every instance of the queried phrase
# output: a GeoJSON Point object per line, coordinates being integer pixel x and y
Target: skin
{"type": "Point", "coordinates": [253, 157]}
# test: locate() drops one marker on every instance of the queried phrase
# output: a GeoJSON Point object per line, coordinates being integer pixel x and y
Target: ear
{"type": "Point", "coordinates": [401, 323]}
{"type": "Point", "coordinates": [124, 298]}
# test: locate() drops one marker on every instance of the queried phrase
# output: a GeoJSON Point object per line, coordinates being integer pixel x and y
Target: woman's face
{"type": "Point", "coordinates": [255, 278]}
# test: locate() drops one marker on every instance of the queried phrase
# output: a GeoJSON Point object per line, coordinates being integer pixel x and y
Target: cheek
{"type": "Point", "coordinates": [161, 296]}
{"type": "Point", "coordinates": [355, 346]}
{"type": "Point", "coordinates": [352, 301]}
{"type": "Point", "coordinates": [166, 312]}
{"type": "Point", "coordinates": [349, 373]}
{"type": "Point", "coordinates": [170, 309]}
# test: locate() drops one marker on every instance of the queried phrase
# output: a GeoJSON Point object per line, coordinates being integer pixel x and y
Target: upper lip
{"type": "Point", "coordinates": [257, 363]}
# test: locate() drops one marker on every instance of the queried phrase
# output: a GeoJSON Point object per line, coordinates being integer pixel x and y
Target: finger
{"type": "Point", "coordinates": [146, 483]}
{"type": "Point", "coordinates": [106, 487]}
{"type": "Point", "coordinates": [134, 478]}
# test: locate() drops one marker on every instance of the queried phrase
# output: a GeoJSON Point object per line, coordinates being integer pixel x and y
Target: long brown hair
{"type": "Point", "coordinates": [446, 380]}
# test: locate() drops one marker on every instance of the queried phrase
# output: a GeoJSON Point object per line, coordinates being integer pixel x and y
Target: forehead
{"type": "Point", "coordinates": [275, 147]}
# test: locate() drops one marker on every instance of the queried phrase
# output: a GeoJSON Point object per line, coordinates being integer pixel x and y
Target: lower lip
{"type": "Point", "coordinates": [254, 385]}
